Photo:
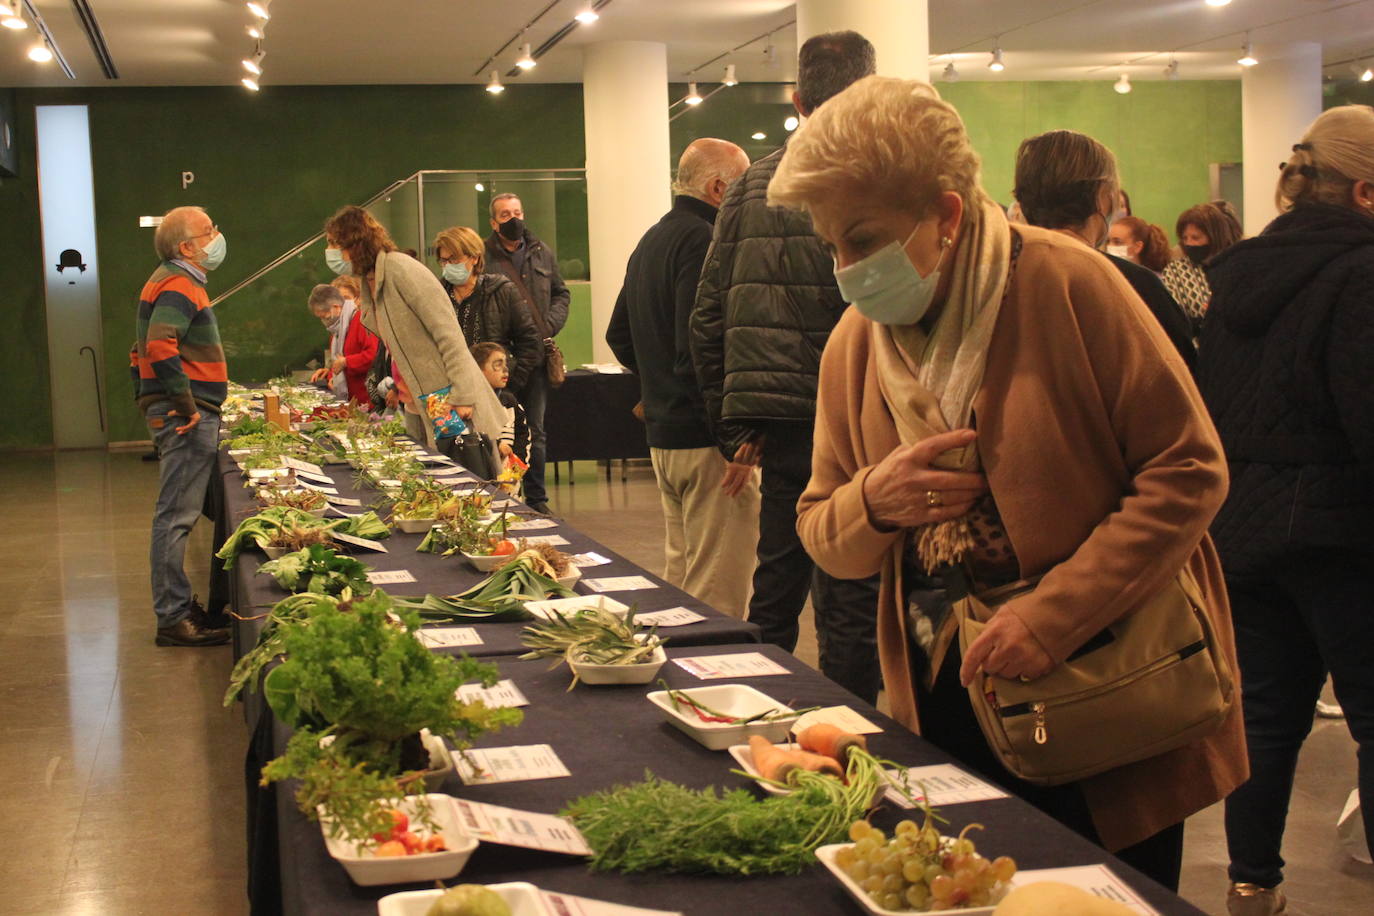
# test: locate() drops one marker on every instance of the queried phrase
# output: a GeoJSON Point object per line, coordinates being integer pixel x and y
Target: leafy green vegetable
{"type": "Point", "coordinates": [501, 596]}
{"type": "Point", "coordinates": [273, 521]}
{"type": "Point", "coordinates": [286, 613]}
{"type": "Point", "coordinates": [320, 570]}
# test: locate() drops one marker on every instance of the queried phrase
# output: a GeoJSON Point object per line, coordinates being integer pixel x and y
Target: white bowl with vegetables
{"type": "Point", "coordinates": [619, 672]}
{"type": "Point", "coordinates": [520, 897]}
{"type": "Point", "coordinates": [413, 525]}
{"type": "Point", "coordinates": [724, 714]}
{"type": "Point", "coordinates": [600, 645]}
{"type": "Point", "coordinates": [375, 863]}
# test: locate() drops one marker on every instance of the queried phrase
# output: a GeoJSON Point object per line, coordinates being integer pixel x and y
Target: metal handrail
{"type": "Point", "coordinates": [416, 176]}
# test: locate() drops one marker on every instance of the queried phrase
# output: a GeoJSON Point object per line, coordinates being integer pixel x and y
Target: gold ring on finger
{"type": "Point", "coordinates": [933, 499]}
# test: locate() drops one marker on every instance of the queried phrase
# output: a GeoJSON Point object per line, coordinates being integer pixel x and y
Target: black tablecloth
{"type": "Point", "coordinates": [611, 735]}
{"type": "Point", "coordinates": [589, 418]}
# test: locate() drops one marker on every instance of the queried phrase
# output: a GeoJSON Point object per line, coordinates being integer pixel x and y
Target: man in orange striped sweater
{"type": "Point", "coordinates": [181, 382]}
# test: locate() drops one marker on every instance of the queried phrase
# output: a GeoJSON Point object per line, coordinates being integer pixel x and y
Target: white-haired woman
{"type": "Point", "coordinates": [1093, 462]}
{"type": "Point", "coordinates": [1287, 369]}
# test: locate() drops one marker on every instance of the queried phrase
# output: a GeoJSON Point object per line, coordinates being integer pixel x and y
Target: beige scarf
{"type": "Point", "coordinates": [929, 381]}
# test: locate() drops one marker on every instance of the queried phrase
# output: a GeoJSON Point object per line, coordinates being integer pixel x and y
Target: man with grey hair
{"type": "Point", "coordinates": [765, 307]}
{"type": "Point", "coordinates": [352, 347]}
{"type": "Point", "coordinates": [512, 250]}
{"type": "Point", "coordinates": [711, 533]}
{"type": "Point", "coordinates": [181, 380]}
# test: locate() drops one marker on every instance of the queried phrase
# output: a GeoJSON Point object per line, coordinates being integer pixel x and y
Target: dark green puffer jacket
{"type": "Point", "coordinates": [766, 305]}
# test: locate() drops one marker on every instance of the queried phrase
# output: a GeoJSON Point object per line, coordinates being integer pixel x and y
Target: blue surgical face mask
{"type": "Point", "coordinates": [457, 273]}
{"type": "Point", "coordinates": [212, 255]}
{"type": "Point", "coordinates": [337, 262]}
{"type": "Point", "coordinates": [887, 288]}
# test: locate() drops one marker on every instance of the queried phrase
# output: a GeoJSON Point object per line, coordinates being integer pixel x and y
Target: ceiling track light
{"type": "Point", "coordinates": [587, 15]}
{"type": "Point", "coordinates": [1218, 2]}
{"type": "Point", "coordinates": [996, 65]}
{"type": "Point", "coordinates": [950, 75]}
{"type": "Point", "coordinates": [1247, 53]}
{"type": "Point", "coordinates": [260, 8]}
{"type": "Point", "coordinates": [40, 53]}
{"type": "Point", "coordinates": [494, 84]}
{"type": "Point", "coordinates": [526, 59]}
{"type": "Point", "coordinates": [730, 78]}
{"type": "Point", "coordinates": [10, 17]}
{"type": "Point", "coordinates": [758, 135]}
{"type": "Point", "coordinates": [254, 64]}
{"type": "Point", "coordinates": [693, 97]}
{"type": "Point", "coordinates": [257, 32]}
{"type": "Point", "coordinates": [1122, 85]}
{"type": "Point", "coordinates": [1171, 71]}
{"type": "Point", "coordinates": [790, 124]}
{"type": "Point", "coordinates": [1368, 75]}
{"type": "Point", "coordinates": [250, 84]}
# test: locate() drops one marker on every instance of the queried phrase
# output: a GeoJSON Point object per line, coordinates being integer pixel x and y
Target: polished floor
{"type": "Point", "coordinates": [121, 772]}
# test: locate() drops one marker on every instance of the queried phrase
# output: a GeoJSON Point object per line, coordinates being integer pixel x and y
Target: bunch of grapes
{"type": "Point", "coordinates": [919, 870]}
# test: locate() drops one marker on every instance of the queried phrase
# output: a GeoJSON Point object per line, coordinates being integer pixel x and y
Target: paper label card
{"type": "Point", "coordinates": [842, 717]}
{"type": "Point", "coordinates": [945, 784]}
{"type": "Point", "coordinates": [619, 584]}
{"type": "Point", "coordinates": [552, 540]}
{"type": "Point", "coordinates": [318, 478]}
{"type": "Point", "coordinates": [585, 560]}
{"type": "Point", "coordinates": [1098, 880]}
{"type": "Point", "coordinates": [673, 617]}
{"type": "Point", "coordinates": [266, 473]}
{"type": "Point", "coordinates": [512, 827]}
{"type": "Point", "coordinates": [453, 471]}
{"type": "Point", "coordinates": [338, 500]}
{"type": "Point", "coordinates": [426, 458]}
{"type": "Point", "coordinates": [240, 452]}
{"type": "Point", "coordinates": [448, 637]}
{"type": "Point", "coordinates": [739, 664]}
{"type": "Point", "coordinates": [317, 487]}
{"type": "Point", "coordinates": [358, 542]}
{"type": "Point", "coordinates": [483, 766]}
{"type": "Point", "coordinates": [568, 905]}
{"type": "Point", "coordinates": [504, 693]}
{"type": "Point", "coordinates": [297, 465]}
{"type": "Point", "coordinates": [390, 576]}
{"type": "Point", "coordinates": [533, 524]}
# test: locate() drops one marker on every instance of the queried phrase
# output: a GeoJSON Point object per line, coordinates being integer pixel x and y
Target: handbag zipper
{"type": "Point", "coordinates": [1038, 708]}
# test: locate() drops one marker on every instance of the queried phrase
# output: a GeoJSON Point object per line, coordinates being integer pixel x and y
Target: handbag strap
{"type": "Point", "coordinates": [540, 325]}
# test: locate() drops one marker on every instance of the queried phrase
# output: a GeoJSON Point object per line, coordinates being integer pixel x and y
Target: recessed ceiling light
{"type": "Point", "coordinates": [758, 135]}
{"type": "Point", "coordinates": [791, 123]}
{"type": "Point", "coordinates": [40, 54]}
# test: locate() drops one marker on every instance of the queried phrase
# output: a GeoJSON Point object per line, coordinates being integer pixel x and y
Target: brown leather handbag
{"type": "Point", "coordinates": [1151, 682]}
{"type": "Point", "coordinates": [554, 363]}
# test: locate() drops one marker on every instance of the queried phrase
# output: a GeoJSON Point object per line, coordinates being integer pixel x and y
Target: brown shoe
{"type": "Point", "coordinates": [186, 633]}
{"type": "Point", "coordinates": [1253, 900]}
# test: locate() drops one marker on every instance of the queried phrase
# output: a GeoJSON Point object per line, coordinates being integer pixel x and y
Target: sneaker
{"type": "Point", "coordinates": [1252, 900]}
{"type": "Point", "coordinates": [185, 633]}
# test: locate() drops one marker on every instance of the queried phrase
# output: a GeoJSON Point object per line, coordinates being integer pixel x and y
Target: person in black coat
{"type": "Point", "coordinates": [710, 506]}
{"type": "Point", "coordinates": [1286, 367]}
{"type": "Point", "coordinates": [1068, 181]}
{"type": "Point", "coordinates": [488, 306]}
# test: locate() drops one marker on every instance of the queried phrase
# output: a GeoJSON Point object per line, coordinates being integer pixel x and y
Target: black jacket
{"type": "Point", "coordinates": [539, 273]}
{"type": "Point", "coordinates": [496, 312]}
{"type": "Point", "coordinates": [1167, 312]}
{"type": "Point", "coordinates": [765, 307]}
{"type": "Point", "coordinates": [648, 329]}
{"type": "Point", "coordinates": [1286, 367]}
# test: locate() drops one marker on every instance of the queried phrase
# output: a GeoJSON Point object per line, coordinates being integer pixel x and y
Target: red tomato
{"type": "Point", "coordinates": [411, 842]}
{"type": "Point", "coordinates": [399, 824]}
{"type": "Point", "coordinates": [392, 848]}
{"type": "Point", "coordinates": [435, 844]}
{"type": "Point", "coordinates": [502, 549]}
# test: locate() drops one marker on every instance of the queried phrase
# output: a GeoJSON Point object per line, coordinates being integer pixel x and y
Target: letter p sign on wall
{"type": "Point", "coordinates": [186, 179]}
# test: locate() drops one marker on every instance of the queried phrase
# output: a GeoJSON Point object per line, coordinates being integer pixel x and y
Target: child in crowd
{"type": "Point", "coordinates": [515, 433]}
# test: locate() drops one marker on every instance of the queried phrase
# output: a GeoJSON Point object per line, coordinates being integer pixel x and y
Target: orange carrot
{"type": "Point", "coordinates": [770, 762]}
{"type": "Point", "coordinates": [831, 741]}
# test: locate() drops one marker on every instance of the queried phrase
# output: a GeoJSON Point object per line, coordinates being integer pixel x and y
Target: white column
{"type": "Point", "coordinates": [899, 30]}
{"type": "Point", "coordinates": [625, 111]}
{"type": "Point", "coordinates": [1280, 96]}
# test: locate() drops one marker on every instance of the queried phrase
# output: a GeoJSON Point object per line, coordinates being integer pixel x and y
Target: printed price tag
{"type": "Point", "coordinates": [504, 694]}
{"type": "Point", "coordinates": [619, 584]}
{"type": "Point", "coordinates": [296, 464]}
{"type": "Point", "coordinates": [389, 576]}
{"type": "Point", "coordinates": [673, 617]}
{"type": "Point", "coordinates": [483, 766]}
{"type": "Point", "coordinates": [585, 560]}
{"type": "Point", "coordinates": [740, 664]}
{"type": "Point", "coordinates": [1098, 880]}
{"type": "Point", "coordinates": [945, 784]}
{"type": "Point", "coordinates": [533, 524]}
{"type": "Point", "coordinates": [512, 827]}
{"type": "Point", "coordinates": [568, 905]}
{"type": "Point", "coordinates": [358, 542]}
{"type": "Point", "coordinates": [842, 717]}
{"type": "Point", "coordinates": [338, 500]}
{"type": "Point", "coordinates": [448, 637]}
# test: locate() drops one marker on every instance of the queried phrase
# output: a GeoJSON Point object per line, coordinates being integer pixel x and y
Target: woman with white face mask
{"type": "Point", "coordinates": [1068, 181]}
{"type": "Point", "coordinates": [352, 347]}
{"type": "Point", "coordinates": [1139, 242]}
{"type": "Point", "coordinates": [1092, 463]}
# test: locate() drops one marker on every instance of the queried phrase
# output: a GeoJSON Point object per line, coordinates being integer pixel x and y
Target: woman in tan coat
{"type": "Point", "coordinates": [1093, 462]}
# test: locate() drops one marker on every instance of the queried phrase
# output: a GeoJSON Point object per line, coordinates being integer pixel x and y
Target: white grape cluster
{"type": "Point", "coordinates": [919, 870]}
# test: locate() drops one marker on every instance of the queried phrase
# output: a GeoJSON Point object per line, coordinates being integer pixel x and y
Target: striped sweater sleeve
{"type": "Point", "coordinates": [167, 325]}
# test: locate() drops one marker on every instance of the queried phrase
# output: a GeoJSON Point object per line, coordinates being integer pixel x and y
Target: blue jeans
{"type": "Point", "coordinates": [186, 464]}
{"type": "Point", "coordinates": [535, 398]}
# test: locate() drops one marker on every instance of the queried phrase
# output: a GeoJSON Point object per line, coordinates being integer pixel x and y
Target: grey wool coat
{"type": "Point", "coordinates": [409, 310]}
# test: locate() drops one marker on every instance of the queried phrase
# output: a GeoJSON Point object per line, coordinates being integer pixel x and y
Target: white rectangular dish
{"type": "Point", "coordinates": [414, 525]}
{"type": "Point", "coordinates": [521, 896]}
{"type": "Point", "coordinates": [369, 870]}
{"type": "Point", "coordinates": [738, 700]}
{"type": "Point", "coordinates": [642, 673]}
{"type": "Point", "coordinates": [544, 610]}
{"type": "Point", "coordinates": [826, 855]}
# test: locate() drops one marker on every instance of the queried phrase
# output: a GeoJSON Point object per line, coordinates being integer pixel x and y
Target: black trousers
{"type": "Point", "coordinates": [846, 610]}
{"type": "Point", "coordinates": [1294, 626]}
{"type": "Point", "coordinates": [948, 722]}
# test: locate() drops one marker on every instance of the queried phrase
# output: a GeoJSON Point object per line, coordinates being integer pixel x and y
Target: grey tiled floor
{"type": "Point", "coordinates": [121, 773]}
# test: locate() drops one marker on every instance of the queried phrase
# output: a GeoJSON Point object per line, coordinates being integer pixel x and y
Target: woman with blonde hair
{"type": "Point", "coordinates": [1093, 463]}
{"type": "Point", "coordinates": [1287, 369]}
{"type": "Point", "coordinates": [404, 304]}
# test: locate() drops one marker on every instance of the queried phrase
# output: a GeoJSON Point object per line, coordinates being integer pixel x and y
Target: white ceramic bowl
{"type": "Point", "coordinates": [826, 855]}
{"type": "Point", "coordinates": [729, 699]}
{"type": "Point", "coordinates": [487, 563]}
{"type": "Point", "coordinates": [641, 673]}
{"type": "Point", "coordinates": [414, 525]}
{"type": "Point", "coordinates": [369, 870]}
{"type": "Point", "coordinates": [571, 578]}
{"type": "Point", "coordinates": [522, 898]}
{"type": "Point", "coordinates": [276, 553]}
{"type": "Point", "coordinates": [544, 610]}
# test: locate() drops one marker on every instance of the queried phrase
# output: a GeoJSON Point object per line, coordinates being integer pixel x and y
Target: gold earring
{"type": "Point", "coordinates": [946, 241]}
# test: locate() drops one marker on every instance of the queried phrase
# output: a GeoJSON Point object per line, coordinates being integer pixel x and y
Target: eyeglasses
{"type": "Point", "coordinates": [444, 262]}
{"type": "Point", "coordinates": [213, 229]}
